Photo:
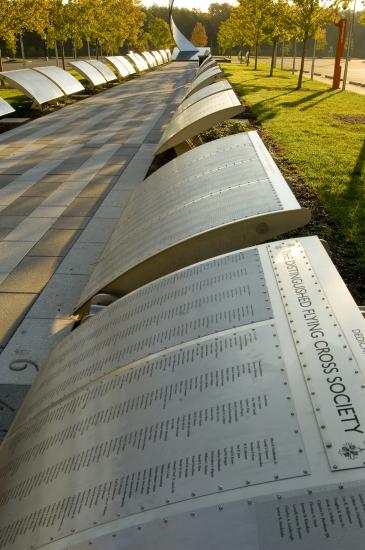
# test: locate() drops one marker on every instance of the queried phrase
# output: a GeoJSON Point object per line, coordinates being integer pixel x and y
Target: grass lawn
{"type": "Point", "coordinates": [316, 135]}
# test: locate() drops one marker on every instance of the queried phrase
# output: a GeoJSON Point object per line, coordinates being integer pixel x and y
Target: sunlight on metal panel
{"type": "Point", "coordinates": [33, 84]}
{"type": "Point", "coordinates": [205, 79]}
{"type": "Point", "coordinates": [158, 57]}
{"type": "Point", "coordinates": [141, 60]}
{"type": "Point", "coordinates": [103, 69]}
{"type": "Point", "coordinates": [206, 60]}
{"type": "Point", "coordinates": [138, 61]}
{"type": "Point", "coordinates": [118, 65]}
{"type": "Point", "coordinates": [89, 72]}
{"type": "Point", "coordinates": [128, 65]}
{"type": "Point", "coordinates": [202, 397]}
{"type": "Point", "coordinates": [199, 117]}
{"type": "Point", "coordinates": [150, 60]}
{"type": "Point", "coordinates": [209, 65]}
{"type": "Point", "coordinates": [164, 56]}
{"type": "Point", "coordinates": [223, 195]}
{"type": "Point", "coordinates": [64, 80]}
{"type": "Point", "coordinates": [5, 108]}
{"type": "Point", "coordinates": [204, 93]}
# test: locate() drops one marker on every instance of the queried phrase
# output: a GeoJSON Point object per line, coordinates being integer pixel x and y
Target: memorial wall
{"type": "Point", "coordinates": [218, 402]}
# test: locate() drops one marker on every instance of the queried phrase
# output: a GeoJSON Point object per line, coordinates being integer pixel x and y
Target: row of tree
{"type": "Point", "coordinates": [254, 21]}
{"type": "Point", "coordinates": [104, 24]}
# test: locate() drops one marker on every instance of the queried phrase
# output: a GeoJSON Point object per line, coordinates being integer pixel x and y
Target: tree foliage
{"type": "Point", "coordinates": [159, 33]}
{"type": "Point", "coordinates": [199, 36]}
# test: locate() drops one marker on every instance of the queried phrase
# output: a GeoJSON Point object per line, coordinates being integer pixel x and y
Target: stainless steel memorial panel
{"type": "Point", "coordinates": [140, 63]}
{"type": "Point", "coordinates": [164, 56]}
{"type": "Point", "coordinates": [33, 84]}
{"type": "Point", "coordinates": [207, 66]}
{"type": "Point", "coordinates": [89, 72]}
{"type": "Point", "coordinates": [63, 79]}
{"type": "Point", "coordinates": [150, 60]}
{"type": "Point", "coordinates": [220, 196]}
{"type": "Point", "coordinates": [103, 69]}
{"type": "Point", "coordinates": [204, 79]}
{"type": "Point", "coordinates": [149, 320]}
{"type": "Point", "coordinates": [199, 117]}
{"type": "Point", "coordinates": [325, 518]}
{"type": "Point", "coordinates": [118, 65]}
{"type": "Point", "coordinates": [128, 65]}
{"type": "Point", "coordinates": [204, 93]}
{"type": "Point", "coordinates": [158, 57]}
{"type": "Point", "coordinates": [211, 422]}
{"type": "Point", "coordinates": [5, 107]}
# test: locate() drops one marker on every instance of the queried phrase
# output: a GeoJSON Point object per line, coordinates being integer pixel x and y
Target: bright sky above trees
{"type": "Point", "coordinates": [189, 4]}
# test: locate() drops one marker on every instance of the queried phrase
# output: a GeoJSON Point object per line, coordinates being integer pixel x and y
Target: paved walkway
{"type": "Point", "coordinates": [64, 181]}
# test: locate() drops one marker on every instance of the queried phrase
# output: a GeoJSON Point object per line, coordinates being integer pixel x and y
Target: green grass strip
{"type": "Point", "coordinates": [321, 132]}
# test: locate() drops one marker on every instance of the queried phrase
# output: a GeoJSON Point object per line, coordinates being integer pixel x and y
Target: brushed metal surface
{"type": "Point", "coordinates": [103, 69]}
{"type": "Point", "coordinates": [89, 72]}
{"type": "Point", "coordinates": [207, 66]}
{"type": "Point", "coordinates": [199, 117]}
{"type": "Point", "coordinates": [332, 374]}
{"type": "Point", "coordinates": [5, 107]}
{"type": "Point", "coordinates": [157, 55]}
{"type": "Point", "coordinates": [326, 518]}
{"type": "Point", "coordinates": [63, 79]}
{"type": "Point", "coordinates": [204, 79]}
{"type": "Point", "coordinates": [204, 93]}
{"type": "Point", "coordinates": [164, 56]}
{"type": "Point", "coordinates": [139, 62]}
{"type": "Point", "coordinates": [33, 84]}
{"type": "Point", "coordinates": [118, 65]}
{"type": "Point", "coordinates": [218, 185]}
{"type": "Point", "coordinates": [164, 314]}
{"type": "Point", "coordinates": [149, 58]}
{"type": "Point", "coordinates": [214, 416]}
{"type": "Point", "coordinates": [128, 65]}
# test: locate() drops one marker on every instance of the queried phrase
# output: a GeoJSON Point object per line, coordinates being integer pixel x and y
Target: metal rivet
{"type": "Point", "coordinates": [220, 507]}
{"type": "Point", "coordinates": [192, 514]}
{"type": "Point", "coordinates": [328, 445]}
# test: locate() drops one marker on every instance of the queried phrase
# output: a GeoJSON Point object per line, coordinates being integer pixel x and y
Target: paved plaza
{"type": "Point", "coordinates": [64, 180]}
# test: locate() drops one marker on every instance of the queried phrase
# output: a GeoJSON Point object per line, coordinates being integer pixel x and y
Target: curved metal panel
{"type": "Point", "coordinates": [103, 69]}
{"type": "Point", "coordinates": [204, 93]}
{"type": "Point", "coordinates": [64, 80]}
{"type": "Point", "coordinates": [158, 57]}
{"type": "Point", "coordinates": [149, 58]}
{"type": "Point", "coordinates": [181, 41]}
{"type": "Point", "coordinates": [5, 107]}
{"type": "Point", "coordinates": [128, 65]}
{"type": "Point", "coordinates": [222, 195]}
{"type": "Point", "coordinates": [199, 117]}
{"type": "Point", "coordinates": [207, 66]}
{"type": "Point", "coordinates": [164, 56]}
{"type": "Point", "coordinates": [118, 65]}
{"type": "Point", "coordinates": [89, 72]}
{"type": "Point", "coordinates": [33, 84]}
{"type": "Point", "coordinates": [139, 62]}
{"type": "Point", "coordinates": [208, 77]}
{"type": "Point", "coordinates": [202, 382]}
{"type": "Point", "coordinates": [168, 54]}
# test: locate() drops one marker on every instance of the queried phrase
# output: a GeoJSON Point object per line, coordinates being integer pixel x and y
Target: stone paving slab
{"type": "Point", "coordinates": [64, 181]}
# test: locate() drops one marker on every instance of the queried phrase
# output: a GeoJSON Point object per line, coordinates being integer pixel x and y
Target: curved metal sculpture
{"type": "Point", "coordinates": [185, 50]}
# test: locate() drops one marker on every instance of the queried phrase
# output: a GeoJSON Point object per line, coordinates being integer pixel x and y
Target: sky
{"type": "Point", "coordinates": [190, 4]}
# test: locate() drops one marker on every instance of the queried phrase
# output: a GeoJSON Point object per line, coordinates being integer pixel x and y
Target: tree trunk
{"type": "Point", "coordinates": [256, 53]}
{"type": "Point", "coordinates": [282, 55]}
{"type": "Point", "coordinates": [301, 71]}
{"type": "Point", "coordinates": [56, 52]}
{"type": "Point", "coordinates": [74, 48]}
{"type": "Point", "coordinates": [63, 55]}
{"type": "Point", "coordinates": [313, 58]}
{"type": "Point", "coordinates": [1, 61]}
{"type": "Point", "coordinates": [22, 48]}
{"type": "Point", "coordinates": [294, 55]}
{"type": "Point", "coordinates": [272, 58]}
{"type": "Point", "coordinates": [97, 48]}
{"type": "Point", "coordinates": [88, 49]}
